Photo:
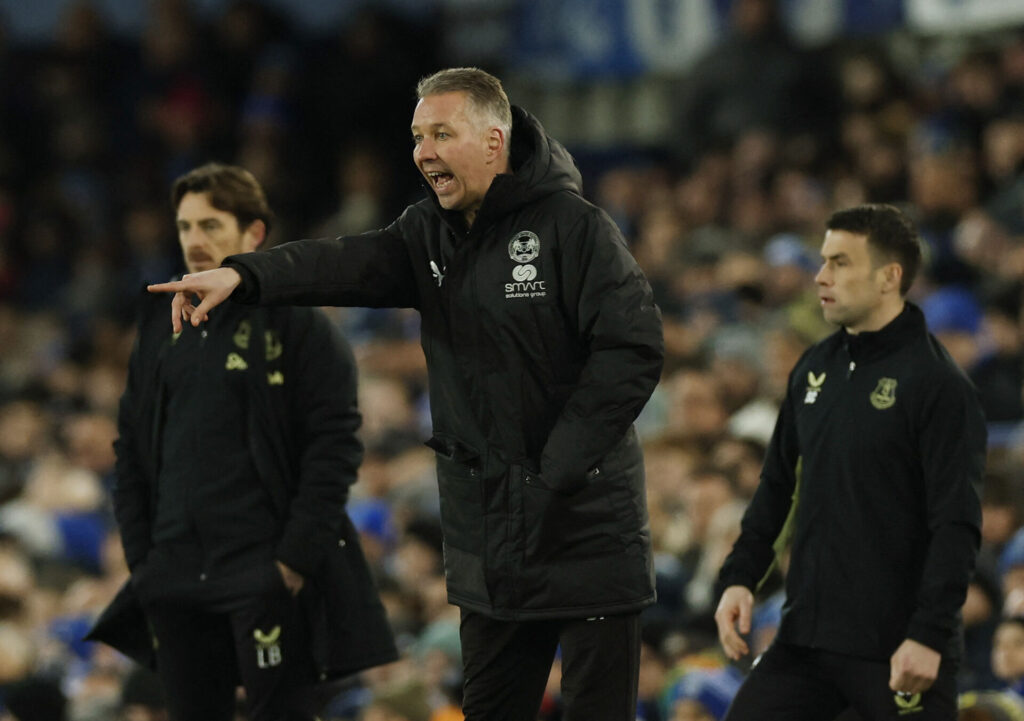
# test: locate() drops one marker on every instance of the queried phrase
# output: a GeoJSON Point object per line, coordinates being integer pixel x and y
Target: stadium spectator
{"type": "Point", "coordinates": [990, 706]}
{"type": "Point", "coordinates": [1008, 653]}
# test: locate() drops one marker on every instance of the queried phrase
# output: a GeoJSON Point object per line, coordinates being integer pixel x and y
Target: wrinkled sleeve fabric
{"type": "Point", "coordinates": [620, 326]}
{"type": "Point", "coordinates": [372, 270]}
{"type": "Point", "coordinates": [952, 441]}
{"type": "Point", "coordinates": [753, 553]}
{"type": "Point", "coordinates": [131, 490]}
{"type": "Point", "coordinates": [326, 419]}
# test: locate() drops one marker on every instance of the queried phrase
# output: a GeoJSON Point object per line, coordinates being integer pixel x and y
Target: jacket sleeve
{"type": "Point", "coordinates": [952, 440]}
{"type": "Point", "coordinates": [131, 491]}
{"type": "Point", "coordinates": [325, 418]}
{"type": "Point", "coordinates": [753, 553]}
{"type": "Point", "coordinates": [620, 326]}
{"type": "Point", "coordinates": [371, 270]}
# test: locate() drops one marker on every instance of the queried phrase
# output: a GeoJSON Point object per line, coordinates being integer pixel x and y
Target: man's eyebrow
{"type": "Point", "coordinates": [834, 256]}
{"type": "Point", "coordinates": [414, 128]}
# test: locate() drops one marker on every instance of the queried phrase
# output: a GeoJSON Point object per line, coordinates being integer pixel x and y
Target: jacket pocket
{"type": "Point", "coordinates": [581, 524]}
{"type": "Point", "coordinates": [461, 496]}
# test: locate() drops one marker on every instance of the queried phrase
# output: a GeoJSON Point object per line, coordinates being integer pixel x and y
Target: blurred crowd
{"type": "Point", "coordinates": [725, 219]}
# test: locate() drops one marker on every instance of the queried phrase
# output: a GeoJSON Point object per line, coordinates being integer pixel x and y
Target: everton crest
{"type": "Point", "coordinates": [884, 395]}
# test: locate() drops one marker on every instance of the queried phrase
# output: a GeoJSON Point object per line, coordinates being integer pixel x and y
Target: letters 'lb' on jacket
{"type": "Point", "coordinates": [543, 343]}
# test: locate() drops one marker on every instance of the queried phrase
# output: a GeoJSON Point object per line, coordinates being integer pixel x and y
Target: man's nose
{"type": "Point", "coordinates": [189, 238]}
{"type": "Point", "coordinates": [425, 149]}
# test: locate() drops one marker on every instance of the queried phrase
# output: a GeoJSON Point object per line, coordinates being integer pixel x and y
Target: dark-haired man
{"type": "Point", "coordinates": [236, 451]}
{"type": "Point", "coordinates": [877, 449]}
{"type": "Point", "coordinates": [542, 343]}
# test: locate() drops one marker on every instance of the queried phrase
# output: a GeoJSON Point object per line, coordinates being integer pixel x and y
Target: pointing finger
{"type": "Point", "coordinates": [174, 286]}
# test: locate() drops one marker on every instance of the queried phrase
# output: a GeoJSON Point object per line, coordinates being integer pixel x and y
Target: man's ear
{"type": "Point", "coordinates": [495, 143]}
{"type": "Point", "coordinates": [254, 235]}
{"type": "Point", "coordinates": [893, 276]}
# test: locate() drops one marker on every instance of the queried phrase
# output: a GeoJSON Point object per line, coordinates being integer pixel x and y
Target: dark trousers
{"type": "Point", "coordinates": [506, 666]}
{"type": "Point", "coordinates": [792, 683]}
{"type": "Point", "coordinates": [202, 656]}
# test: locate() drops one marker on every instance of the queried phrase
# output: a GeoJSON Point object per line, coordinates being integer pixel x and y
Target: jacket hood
{"type": "Point", "coordinates": [540, 166]}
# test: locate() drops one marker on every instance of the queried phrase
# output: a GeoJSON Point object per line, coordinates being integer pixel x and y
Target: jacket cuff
{"type": "Point", "coordinates": [135, 554]}
{"type": "Point", "coordinates": [561, 477]}
{"type": "Point", "coordinates": [931, 636]}
{"type": "Point", "coordinates": [248, 291]}
{"type": "Point", "coordinates": [725, 582]}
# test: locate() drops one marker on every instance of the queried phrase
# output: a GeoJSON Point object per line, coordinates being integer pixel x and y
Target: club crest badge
{"type": "Point", "coordinates": [884, 395]}
{"type": "Point", "coordinates": [524, 246]}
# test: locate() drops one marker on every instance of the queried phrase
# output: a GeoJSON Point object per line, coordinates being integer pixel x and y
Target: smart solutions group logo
{"type": "Point", "coordinates": [523, 248]}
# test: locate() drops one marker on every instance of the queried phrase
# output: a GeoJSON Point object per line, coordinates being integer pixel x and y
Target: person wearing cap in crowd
{"type": "Point", "coordinates": [791, 264]}
{"type": "Point", "coordinates": [953, 315]}
{"type": "Point", "coordinates": [871, 475]}
{"type": "Point", "coordinates": [703, 695]}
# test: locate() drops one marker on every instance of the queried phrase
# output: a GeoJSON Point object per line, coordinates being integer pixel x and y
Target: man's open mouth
{"type": "Point", "coordinates": [440, 180]}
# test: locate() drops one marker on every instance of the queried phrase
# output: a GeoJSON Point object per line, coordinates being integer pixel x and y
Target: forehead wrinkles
{"type": "Point", "coordinates": [432, 111]}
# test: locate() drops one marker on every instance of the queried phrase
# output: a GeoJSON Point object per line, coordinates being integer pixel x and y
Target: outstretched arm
{"type": "Point", "coordinates": [212, 287]}
{"type": "Point", "coordinates": [370, 270]}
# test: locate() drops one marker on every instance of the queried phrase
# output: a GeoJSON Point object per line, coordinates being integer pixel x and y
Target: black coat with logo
{"type": "Point", "coordinates": [889, 439]}
{"type": "Point", "coordinates": [300, 391]}
{"type": "Point", "coordinates": [542, 343]}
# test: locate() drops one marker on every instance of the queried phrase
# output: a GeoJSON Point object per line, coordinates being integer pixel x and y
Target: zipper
{"type": "Point", "coordinates": [849, 371]}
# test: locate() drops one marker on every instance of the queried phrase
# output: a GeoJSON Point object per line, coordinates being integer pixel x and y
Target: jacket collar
{"type": "Point", "coordinates": [902, 330]}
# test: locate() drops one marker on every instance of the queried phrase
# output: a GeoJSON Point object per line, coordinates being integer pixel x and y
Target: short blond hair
{"type": "Point", "coordinates": [484, 91]}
